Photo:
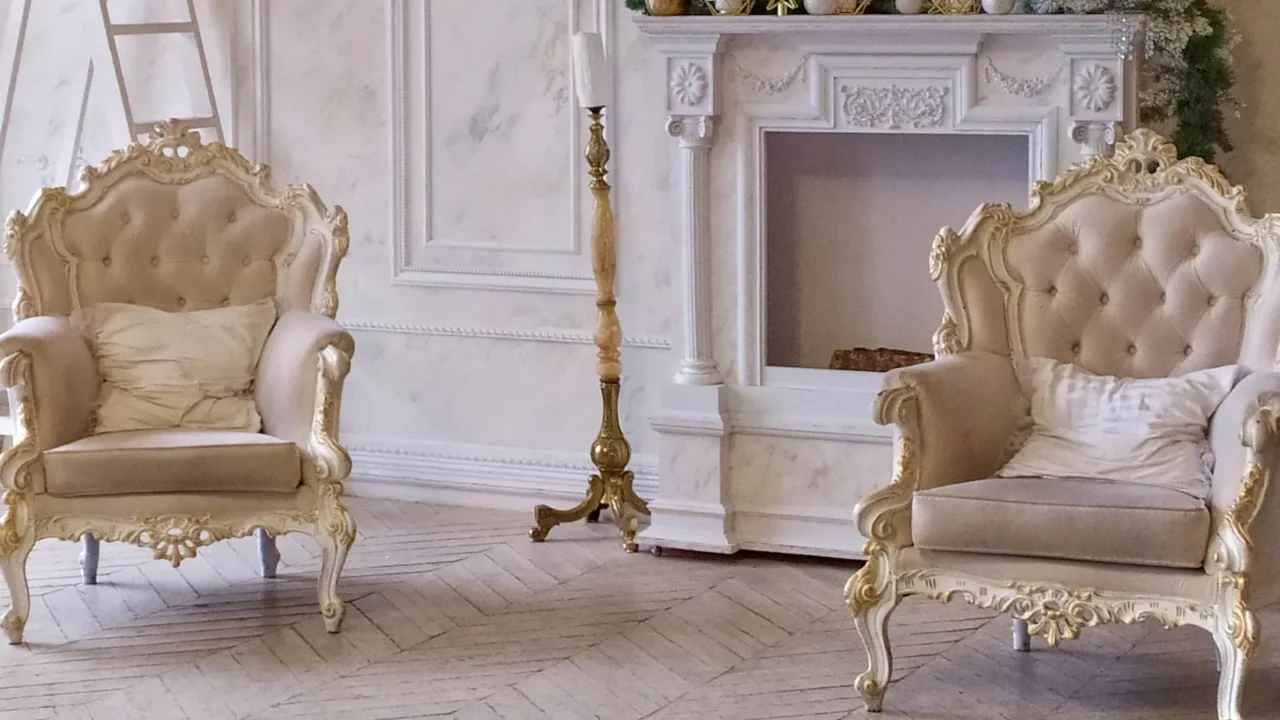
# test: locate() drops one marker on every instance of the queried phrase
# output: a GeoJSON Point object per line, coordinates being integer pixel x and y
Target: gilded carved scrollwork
{"type": "Point", "coordinates": [172, 537]}
{"type": "Point", "coordinates": [1056, 612]}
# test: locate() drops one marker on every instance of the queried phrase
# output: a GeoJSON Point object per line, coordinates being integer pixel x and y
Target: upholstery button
{"type": "Point", "coordinates": [204, 260]}
{"type": "Point", "coordinates": [1186, 350]}
{"type": "Point", "coordinates": [1213, 301]}
{"type": "Point", "coordinates": [1195, 249]}
{"type": "Point", "coordinates": [1164, 296]}
{"type": "Point", "coordinates": [1073, 248]}
{"type": "Point", "coordinates": [226, 302]}
{"type": "Point", "coordinates": [1137, 243]}
{"type": "Point", "coordinates": [106, 261]}
{"type": "Point", "coordinates": [182, 302]}
{"type": "Point", "coordinates": [1104, 299]}
{"type": "Point", "coordinates": [245, 262]}
{"type": "Point", "coordinates": [231, 218]}
{"type": "Point", "coordinates": [174, 213]}
{"type": "Point", "coordinates": [1075, 348]}
{"type": "Point", "coordinates": [125, 218]}
{"type": "Point", "coordinates": [1053, 291]}
{"type": "Point", "coordinates": [155, 262]}
{"type": "Point", "coordinates": [1132, 350]}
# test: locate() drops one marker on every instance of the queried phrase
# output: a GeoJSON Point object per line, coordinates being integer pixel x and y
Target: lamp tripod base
{"type": "Point", "coordinates": [610, 487]}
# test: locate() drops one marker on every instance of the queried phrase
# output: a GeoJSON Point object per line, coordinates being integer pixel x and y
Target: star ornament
{"type": "Point", "coordinates": [782, 6]}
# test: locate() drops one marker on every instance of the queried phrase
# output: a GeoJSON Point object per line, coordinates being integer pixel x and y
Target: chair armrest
{"type": "Point", "coordinates": [51, 374]}
{"type": "Point", "coordinates": [1246, 512]}
{"type": "Point", "coordinates": [298, 388]}
{"type": "Point", "coordinates": [955, 416]}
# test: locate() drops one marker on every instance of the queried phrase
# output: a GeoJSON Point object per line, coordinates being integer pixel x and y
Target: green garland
{"type": "Point", "coordinates": [1188, 81]}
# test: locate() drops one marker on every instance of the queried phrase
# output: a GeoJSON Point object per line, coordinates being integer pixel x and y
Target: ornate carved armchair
{"type": "Point", "coordinates": [1189, 280]}
{"type": "Point", "coordinates": [176, 225]}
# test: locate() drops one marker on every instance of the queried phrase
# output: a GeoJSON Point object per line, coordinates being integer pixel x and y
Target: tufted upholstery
{"type": "Point", "coordinates": [194, 246]}
{"type": "Point", "coordinates": [1135, 290]}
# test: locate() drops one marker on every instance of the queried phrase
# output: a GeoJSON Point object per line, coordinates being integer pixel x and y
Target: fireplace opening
{"type": "Point", "coordinates": [850, 220]}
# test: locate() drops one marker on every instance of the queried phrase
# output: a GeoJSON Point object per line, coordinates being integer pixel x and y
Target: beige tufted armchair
{"type": "Point", "coordinates": [1136, 265]}
{"type": "Point", "coordinates": [175, 225]}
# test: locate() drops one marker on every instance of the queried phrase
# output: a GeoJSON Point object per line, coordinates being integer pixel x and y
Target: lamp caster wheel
{"type": "Point", "coordinates": [656, 551]}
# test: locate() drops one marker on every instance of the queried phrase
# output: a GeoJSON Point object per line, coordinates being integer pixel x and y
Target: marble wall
{"type": "Point", "coordinates": [1256, 133]}
{"type": "Point", "coordinates": [449, 131]}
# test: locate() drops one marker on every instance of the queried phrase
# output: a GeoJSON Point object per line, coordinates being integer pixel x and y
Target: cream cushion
{"type": "Point", "coordinates": [168, 461]}
{"type": "Point", "coordinates": [190, 370]}
{"type": "Point", "coordinates": [1148, 431]}
{"type": "Point", "coordinates": [1068, 518]}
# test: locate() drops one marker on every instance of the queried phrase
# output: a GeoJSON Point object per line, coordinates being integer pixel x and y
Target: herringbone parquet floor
{"type": "Point", "coordinates": [455, 613]}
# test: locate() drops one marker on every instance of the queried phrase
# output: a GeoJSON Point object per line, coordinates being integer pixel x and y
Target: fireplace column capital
{"type": "Point", "coordinates": [693, 131]}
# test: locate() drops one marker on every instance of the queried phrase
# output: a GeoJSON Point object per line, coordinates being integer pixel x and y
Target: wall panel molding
{"type": "Point", "coordinates": [419, 259]}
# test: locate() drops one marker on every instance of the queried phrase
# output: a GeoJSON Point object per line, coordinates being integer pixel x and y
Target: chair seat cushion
{"type": "Point", "coordinates": [1068, 518]}
{"type": "Point", "coordinates": [168, 461]}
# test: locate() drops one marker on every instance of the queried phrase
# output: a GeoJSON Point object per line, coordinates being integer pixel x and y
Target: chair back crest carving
{"type": "Point", "coordinates": [176, 224]}
{"type": "Point", "coordinates": [1138, 264]}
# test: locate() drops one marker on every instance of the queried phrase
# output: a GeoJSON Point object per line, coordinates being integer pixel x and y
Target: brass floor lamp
{"type": "Point", "coordinates": [611, 485]}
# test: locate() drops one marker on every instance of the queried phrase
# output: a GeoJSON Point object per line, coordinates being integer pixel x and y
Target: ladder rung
{"type": "Point", "coordinates": [164, 28]}
{"type": "Point", "coordinates": [144, 128]}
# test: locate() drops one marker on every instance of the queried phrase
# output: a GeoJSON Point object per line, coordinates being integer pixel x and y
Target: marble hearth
{"type": "Point", "coordinates": [763, 449]}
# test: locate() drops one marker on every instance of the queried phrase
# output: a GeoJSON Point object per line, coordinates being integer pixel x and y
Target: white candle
{"type": "Point", "coordinates": [590, 71]}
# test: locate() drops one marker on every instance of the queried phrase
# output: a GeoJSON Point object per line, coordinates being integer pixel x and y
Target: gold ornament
{"type": "Point", "coordinates": [954, 7]}
{"type": "Point", "coordinates": [662, 8]}
{"type": "Point", "coordinates": [782, 7]}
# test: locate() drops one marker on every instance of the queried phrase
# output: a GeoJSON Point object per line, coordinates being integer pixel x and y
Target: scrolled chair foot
{"type": "Point", "coordinates": [13, 624]}
{"type": "Point", "coordinates": [872, 597]}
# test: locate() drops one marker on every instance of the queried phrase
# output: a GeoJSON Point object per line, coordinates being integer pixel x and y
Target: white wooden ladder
{"type": "Point", "coordinates": [11, 48]}
{"type": "Point", "coordinates": [191, 27]}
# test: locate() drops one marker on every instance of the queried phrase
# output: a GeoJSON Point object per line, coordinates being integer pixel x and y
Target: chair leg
{"type": "Point", "coordinates": [1231, 671]}
{"type": "Point", "coordinates": [1021, 637]}
{"type": "Point", "coordinates": [336, 533]}
{"type": "Point", "coordinates": [873, 626]}
{"type": "Point", "coordinates": [14, 567]}
{"type": "Point", "coordinates": [268, 555]}
{"type": "Point", "coordinates": [89, 559]}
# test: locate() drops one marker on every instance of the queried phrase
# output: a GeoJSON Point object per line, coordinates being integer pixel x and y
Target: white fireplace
{"type": "Point", "coordinates": [817, 158]}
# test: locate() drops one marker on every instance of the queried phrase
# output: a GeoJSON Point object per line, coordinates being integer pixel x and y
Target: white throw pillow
{"type": "Point", "coordinates": [191, 370]}
{"type": "Point", "coordinates": [1149, 431]}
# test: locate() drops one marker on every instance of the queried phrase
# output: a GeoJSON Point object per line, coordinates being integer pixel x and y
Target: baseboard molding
{"type": "Point", "coordinates": [803, 530]}
{"type": "Point", "coordinates": [497, 477]}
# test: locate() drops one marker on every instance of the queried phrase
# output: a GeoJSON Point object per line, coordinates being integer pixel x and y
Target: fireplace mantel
{"type": "Point", "coordinates": [776, 458]}
{"type": "Point", "coordinates": [852, 26]}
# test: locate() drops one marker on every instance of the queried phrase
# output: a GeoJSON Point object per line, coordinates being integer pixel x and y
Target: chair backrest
{"type": "Point", "coordinates": [1135, 265]}
{"type": "Point", "coordinates": [177, 225]}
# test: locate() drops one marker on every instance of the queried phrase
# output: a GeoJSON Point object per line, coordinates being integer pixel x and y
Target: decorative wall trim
{"type": "Point", "coordinates": [894, 107]}
{"type": "Point", "coordinates": [1095, 87]}
{"type": "Point", "coordinates": [774, 84]}
{"type": "Point", "coordinates": [570, 337]}
{"type": "Point", "coordinates": [478, 475]}
{"type": "Point", "coordinates": [1022, 87]}
{"type": "Point", "coordinates": [411, 173]}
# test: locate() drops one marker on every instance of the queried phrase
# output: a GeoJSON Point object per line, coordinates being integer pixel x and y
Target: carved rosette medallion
{"type": "Point", "coordinates": [894, 107]}
{"type": "Point", "coordinates": [689, 84]}
{"type": "Point", "coordinates": [1095, 87]}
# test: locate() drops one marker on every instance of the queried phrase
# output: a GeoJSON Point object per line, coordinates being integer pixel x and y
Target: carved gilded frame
{"type": "Point", "coordinates": [1144, 169]}
{"type": "Point", "coordinates": [171, 526]}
